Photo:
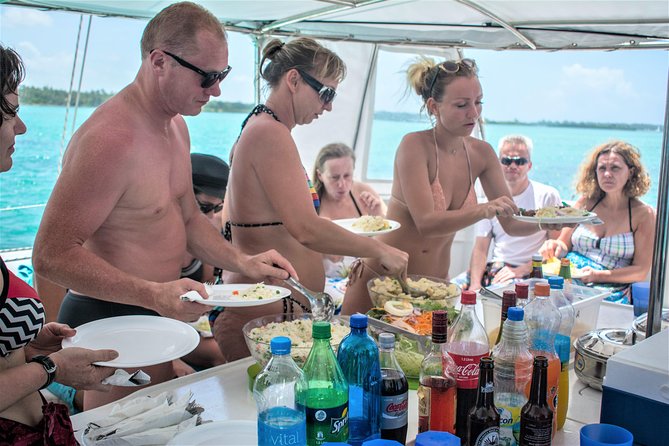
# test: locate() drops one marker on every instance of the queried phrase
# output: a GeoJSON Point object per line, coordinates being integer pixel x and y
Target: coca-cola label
{"type": "Point", "coordinates": [395, 411]}
{"type": "Point", "coordinates": [468, 370]}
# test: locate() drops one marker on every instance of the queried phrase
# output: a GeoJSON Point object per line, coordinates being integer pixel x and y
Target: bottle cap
{"type": "Point", "coordinates": [556, 282]}
{"type": "Point", "coordinates": [321, 330]}
{"type": "Point", "coordinates": [280, 345]}
{"type": "Point", "coordinates": [522, 290]}
{"type": "Point", "coordinates": [564, 261]}
{"type": "Point", "coordinates": [381, 442]}
{"type": "Point", "coordinates": [515, 314]}
{"type": "Point", "coordinates": [509, 298]}
{"type": "Point", "coordinates": [386, 340]}
{"type": "Point", "coordinates": [468, 297]}
{"type": "Point", "coordinates": [542, 289]}
{"type": "Point", "coordinates": [486, 363]}
{"type": "Point", "coordinates": [440, 326]}
{"type": "Point", "coordinates": [434, 438]}
{"type": "Point", "coordinates": [358, 321]}
{"type": "Point", "coordinates": [537, 258]}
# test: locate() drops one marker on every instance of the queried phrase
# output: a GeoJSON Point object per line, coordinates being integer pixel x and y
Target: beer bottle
{"type": "Point", "coordinates": [565, 273]}
{"type": "Point", "coordinates": [508, 301]}
{"type": "Point", "coordinates": [483, 420]}
{"type": "Point", "coordinates": [537, 269]}
{"type": "Point", "coordinates": [536, 417]}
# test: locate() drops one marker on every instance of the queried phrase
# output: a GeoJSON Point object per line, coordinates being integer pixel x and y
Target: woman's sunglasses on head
{"type": "Point", "coordinates": [206, 208]}
{"type": "Point", "coordinates": [326, 94]}
{"type": "Point", "coordinates": [210, 77]}
{"type": "Point", "coordinates": [508, 160]}
{"type": "Point", "coordinates": [452, 67]}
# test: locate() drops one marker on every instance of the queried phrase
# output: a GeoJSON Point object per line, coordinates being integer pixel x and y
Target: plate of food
{"type": "Point", "coordinates": [555, 215]}
{"type": "Point", "coordinates": [239, 295]}
{"type": "Point", "coordinates": [368, 225]}
{"type": "Point", "coordinates": [140, 340]}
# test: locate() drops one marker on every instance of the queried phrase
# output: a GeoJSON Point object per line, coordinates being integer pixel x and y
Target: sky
{"type": "Point", "coordinates": [617, 86]}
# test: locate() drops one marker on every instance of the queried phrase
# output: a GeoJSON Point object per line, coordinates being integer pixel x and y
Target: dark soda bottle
{"type": "Point", "coordinates": [394, 392]}
{"type": "Point", "coordinates": [508, 301]}
{"type": "Point", "coordinates": [536, 417]}
{"type": "Point", "coordinates": [522, 294]}
{"type": "Point", "coordinates": [437, 390]}
{"type": "Point", "coordinates": [483, 421]}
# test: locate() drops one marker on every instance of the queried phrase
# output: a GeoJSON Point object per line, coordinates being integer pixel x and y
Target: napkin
{"type": "Point", "coordinates": [125, 379]}
{"type": "Point", "coordinates": [144, 421]}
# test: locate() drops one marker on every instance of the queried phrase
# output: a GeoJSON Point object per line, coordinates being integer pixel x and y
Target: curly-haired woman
{"type": "Point", "coordinates": [619, 252]}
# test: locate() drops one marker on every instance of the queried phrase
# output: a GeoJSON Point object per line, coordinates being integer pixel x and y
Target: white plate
{"type": "Point", "coordinates": [228, 432]}
{"type": "Point", "coordinates": [563, 219]}
{"type": "Point", "coordinates": [221, 295]}
{"type": "Point", "coordinates": [139, 340]}
{"type": "Point", "coordinates": [347, 223]}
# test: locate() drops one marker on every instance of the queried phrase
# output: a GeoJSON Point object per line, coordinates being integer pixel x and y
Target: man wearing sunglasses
{"type": "Point", "coordinates": [122, 214]}
{"type": "Point", "coordinates": [511, 256]}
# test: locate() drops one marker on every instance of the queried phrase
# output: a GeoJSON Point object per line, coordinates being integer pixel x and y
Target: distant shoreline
{"type": "Point", "coordinates": [50, 96]}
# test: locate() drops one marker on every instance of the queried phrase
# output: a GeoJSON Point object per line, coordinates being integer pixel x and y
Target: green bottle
{"type": "Point", "coordinates": [326, 393]}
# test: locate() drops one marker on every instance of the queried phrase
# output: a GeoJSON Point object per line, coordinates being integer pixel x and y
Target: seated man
{"type": "Point", "coordinates": [512, 256]}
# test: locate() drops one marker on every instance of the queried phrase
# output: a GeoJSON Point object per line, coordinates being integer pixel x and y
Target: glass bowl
{"type": "Point", "coordinates": [439, 293]}
{"type": "Point", "coordinates": [259, 332]}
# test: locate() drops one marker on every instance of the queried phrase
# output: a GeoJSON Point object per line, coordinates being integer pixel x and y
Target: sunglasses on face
{"type": "Point", "coordinates": [206, 208]}
{"type": "Point", "coordinates": [452, 67]}
{"type": "Point", "coordinates": [210, 78]}
{"type": "Point", "coordinates": [326, 94]}
{"type": "Point", "coordinates": [508, 160]}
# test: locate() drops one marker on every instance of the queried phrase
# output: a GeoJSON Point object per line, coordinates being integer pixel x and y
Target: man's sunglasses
{"type": "Point", "coordinates": [452, 67]}
{"type": "Point", "coordinates": [326, 94]}
{"type": "Point", "coordinates": [206, 208]}
{"type": "Point", "coordinates": [519, 160]}
{"type": "Point", "coordinates": [210, 78]}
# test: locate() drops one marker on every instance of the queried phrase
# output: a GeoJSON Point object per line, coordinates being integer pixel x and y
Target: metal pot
{"type": "Point", "coordinates": [639, 324]}
{"type": "Point", "coordinates": [594, 348]}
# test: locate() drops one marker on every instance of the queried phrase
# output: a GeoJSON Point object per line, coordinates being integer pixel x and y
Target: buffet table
{"type": "Point", "coordinates": [224, 393]}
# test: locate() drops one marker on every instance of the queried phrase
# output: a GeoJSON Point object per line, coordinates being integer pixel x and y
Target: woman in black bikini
{"type": "Point", "coordinates": [270, 200]}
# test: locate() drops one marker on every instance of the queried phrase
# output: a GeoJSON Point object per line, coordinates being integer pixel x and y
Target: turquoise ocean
{"type": "Point", "coordinates": [557, 154]}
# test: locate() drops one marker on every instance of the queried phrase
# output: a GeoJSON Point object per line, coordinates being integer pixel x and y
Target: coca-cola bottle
{"type": "Point", "coordinates": [483, 420]}
{"type": "Point", "coordinates": [436, 392]}
{"type": "Point", "coordinates": [394, 392]}
{"type": "Point", "coordinates": [467, 344]}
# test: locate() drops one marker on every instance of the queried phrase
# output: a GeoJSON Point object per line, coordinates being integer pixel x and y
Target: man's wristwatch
{"type": "Point", "coordinates": [49, 368]}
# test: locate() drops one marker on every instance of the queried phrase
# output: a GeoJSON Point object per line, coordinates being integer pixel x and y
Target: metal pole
{"type": "Point", "coordinates": [657, 281]}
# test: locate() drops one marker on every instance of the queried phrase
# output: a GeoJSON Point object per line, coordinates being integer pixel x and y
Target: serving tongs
{"type": "Point", "coordinates": [489, 293]}
{"type": "Point", "coordinates": [408, 289]}
{"type": "Point", "coordinates": [322, 305]}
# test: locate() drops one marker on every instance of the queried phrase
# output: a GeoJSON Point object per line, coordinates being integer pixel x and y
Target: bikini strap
{"type": "Point", "coordinates": [469, 164]}
{"type": "Point", "coordinates": [260, 108]}
{"type": "Point", "coordinates": [596, 203]}
{"type": "Point", "coordinates": [355, 203]}
{"type": "Point", "coordinates": [629, 212]}
{"type": "Point", "coordinates": [436, 154]}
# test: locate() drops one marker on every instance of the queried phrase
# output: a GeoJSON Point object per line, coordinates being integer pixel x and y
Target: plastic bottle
{"type": "Point", "coordinates": [358, 357]}
{"type": "Point", "coordinates": [536, 418]}
{"type": "Point", "coordinates": [562, 345]}
{"type": "Point", "coordinates": [467, 344]}
{"type": "Point", "coordinates": [537, 271]}
{"type": "Point", "coordinates": [437, 390]}
{"type": "Point", "coordinates": [508, 301]}
{"type": "Point", "coordinates": [483, 419]}
{"type": "Point", "coordinates": [565, 273]}
{"type": "Point", "coordinates": [394, 392]}
{"type": "Point", "coordinates": [326, 393]}
{"type": "Point", "coordinates": [513, 373]}
{"type": "Point", "coordinates": [281, 417]}
{"type": "Point", "coordinates": [522, 294]}
{"type": "Point", "coordinates": [543, 320]}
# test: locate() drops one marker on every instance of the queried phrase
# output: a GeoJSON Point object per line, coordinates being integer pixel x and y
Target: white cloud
{"type": "Point", "coordinates": [25, 17]}
{"type": "Point", "coordinates": [598, 79]}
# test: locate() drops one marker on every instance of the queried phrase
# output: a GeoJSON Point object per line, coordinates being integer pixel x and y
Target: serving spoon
{"type": "Point", "coordinates": [322, 305]}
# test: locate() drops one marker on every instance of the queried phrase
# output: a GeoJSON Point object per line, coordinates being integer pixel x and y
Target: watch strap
{"type": "Point", "coordinates": [49, 367]}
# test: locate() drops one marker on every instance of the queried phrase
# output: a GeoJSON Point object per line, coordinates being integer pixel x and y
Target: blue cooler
{"type": "Point", "coordinates": [636, 390]}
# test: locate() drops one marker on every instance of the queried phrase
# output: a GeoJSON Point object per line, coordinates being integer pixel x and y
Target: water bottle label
{"type": "Point", "coordinates": [331, 424]}
{"type": "Point", "coordinates": [509, 425]}
{"type": "Point", "coordinates": [281, 426]}
{"type": "Point", "coordinates": [468, 370]}
{"type": "Point", "coordinates": [488, 437]}
{"type": "Point", "coordinates": [395, 411]}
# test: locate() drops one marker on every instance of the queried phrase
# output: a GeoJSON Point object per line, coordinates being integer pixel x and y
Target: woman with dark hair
{"type": "Point", "coordinates": [270, 199]}
{"type": "Point", "coordinates": [30, 353]}
{"type": "Point", "coordinates": [618, 252]}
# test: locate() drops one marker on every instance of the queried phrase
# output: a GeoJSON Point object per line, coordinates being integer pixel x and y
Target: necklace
{"type": "Point", "coordinates": [434, 135]}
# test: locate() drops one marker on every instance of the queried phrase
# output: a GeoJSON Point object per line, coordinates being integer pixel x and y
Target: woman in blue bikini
{"type": "Point", "coordinates": [617, 253]}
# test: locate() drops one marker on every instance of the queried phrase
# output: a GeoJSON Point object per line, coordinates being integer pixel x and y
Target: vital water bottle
{"type": "Point", "coordinates": [358, 357]}
{"type": "Point", "coordinates": [326, 392]}
{"type": "Point", "coordinates": [281, 417]}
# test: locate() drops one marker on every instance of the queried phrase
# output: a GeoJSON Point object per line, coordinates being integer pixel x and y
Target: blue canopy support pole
{"type": "Point", "coordinates": [657, 281]}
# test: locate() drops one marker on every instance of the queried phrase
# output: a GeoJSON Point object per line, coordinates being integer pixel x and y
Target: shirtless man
{"type": "Point", "coordinates": [123, 212]}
